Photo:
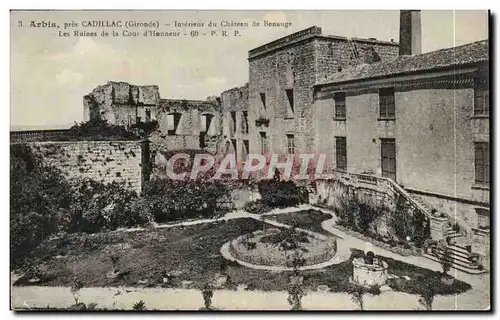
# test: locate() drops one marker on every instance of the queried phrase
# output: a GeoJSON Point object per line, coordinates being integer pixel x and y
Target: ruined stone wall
{"type": "Point", "coordinates": [187, 135]}
{"type": "Point", "coordinates": [235, 102]}
{"type": "Point", "coordinates": [103, 161]}
{"type": "Point", "coordinates": [121, 103]}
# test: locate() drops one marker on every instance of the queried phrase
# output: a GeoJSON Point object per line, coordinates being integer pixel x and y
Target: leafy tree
{"type": "Point", "coordinates": [295, 288]}
{"type": "Point", "coordinates": [445, 258]}
{"type": "Point", "coordinates": [428, 291]}
{"type": "Point", "coordinates": [208, 294]}
{"type": "Point", "coordinates": [357, 293]}
{"type": "Point", "coordinates": [76, 286]}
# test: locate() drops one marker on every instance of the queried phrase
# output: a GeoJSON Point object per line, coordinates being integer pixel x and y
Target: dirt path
{"type": "Point", "coordinates": [189, 299]}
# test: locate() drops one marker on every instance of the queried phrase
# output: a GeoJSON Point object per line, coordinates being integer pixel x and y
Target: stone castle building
{"type": "Point", "coordinates": [377, 109]}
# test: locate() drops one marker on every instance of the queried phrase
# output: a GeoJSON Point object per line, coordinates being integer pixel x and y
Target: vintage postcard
{"type": "Point", "coordinates": [250, 160]}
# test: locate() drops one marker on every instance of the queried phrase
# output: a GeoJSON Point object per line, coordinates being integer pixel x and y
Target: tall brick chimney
{"type": "Point", "coordinates": [410, 32]}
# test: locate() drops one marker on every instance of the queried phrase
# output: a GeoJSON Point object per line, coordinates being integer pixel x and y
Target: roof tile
{"type": "Point", "coordinates": [465, 54]}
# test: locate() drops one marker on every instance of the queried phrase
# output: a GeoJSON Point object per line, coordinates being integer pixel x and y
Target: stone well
{"type": "Point", "coordinates": [369, 274]}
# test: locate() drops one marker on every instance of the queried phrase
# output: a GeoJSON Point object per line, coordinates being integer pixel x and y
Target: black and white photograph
{"type": "Point", "coordinates": [238, 160]}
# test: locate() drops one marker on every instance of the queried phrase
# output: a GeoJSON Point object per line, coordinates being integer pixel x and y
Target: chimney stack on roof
{"type": "Point", "coordinates": [410, 32]}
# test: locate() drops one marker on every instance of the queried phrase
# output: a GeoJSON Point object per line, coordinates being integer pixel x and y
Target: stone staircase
{"type": "Point", "coordinates": [459, 258]}
{"type": "Point", "coordinates": [459, 247]}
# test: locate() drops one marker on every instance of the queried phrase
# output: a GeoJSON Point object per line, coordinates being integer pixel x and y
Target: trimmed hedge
{"type": "Point", "coordinates": [170, 200]}
{"type": "Point", "coordinates": [281, 194]}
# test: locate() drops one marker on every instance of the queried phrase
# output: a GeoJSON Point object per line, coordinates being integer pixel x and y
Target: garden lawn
{"type": "Point", "coordinates": [305, 219]}
{"type": "Point", "coordinates": [193, 252]}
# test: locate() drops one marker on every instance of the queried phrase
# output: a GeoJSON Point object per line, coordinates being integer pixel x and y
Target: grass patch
{"type": "Point", "coordinates": [418, 277]}
{"type": "Point", "coordinates": [193, 252]}
{"type": "Point", "coordinates": [305, 219]}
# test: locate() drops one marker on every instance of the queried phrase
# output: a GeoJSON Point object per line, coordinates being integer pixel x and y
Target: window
{"type": "Point", "coordinates": [235, 148]}
{"type": "Point", "coordinates": [263, 100]}
{"type": "Point", "coordinates": [246, 147]}
{"type": "Point", "coordinates": [263, 143]}
{"type": "Point", "coordinates": [482, 163]}
{"type": "Point", "coordinates": [202, 139]}
{"type": "Point", "coordinates": [173, 120]}
{"type": "Point", "coordinates": [483, 218]}
{"type": "Point", "coordinates": [388, 156]}
{"type": "Point", "coordinates": [148, 115]}
{"type": "Point", "coordinates": [233, 122]}
{"type": "Point", "coordinates": [340, 112]}
{"type": "Point", "coordinates": [386, 102]}
{"type": "Point", "coordinates": [341, 153]}
{"type": "Point", "coordinates": [290, 105]}
{"type": "Point", "coordinates": [290, 143]}
{"type": "Point", "coordinates": [244, 123]}
{"type": "Point", "coordinates": [137, 119]}
{"type": "Point", "coordinates": [481, 100]}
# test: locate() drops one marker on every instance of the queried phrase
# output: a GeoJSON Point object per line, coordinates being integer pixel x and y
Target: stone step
{"type": "Point", "coordinates": [456, 247]}
{"type": "Point", "coordinates": [457, 257]}
{"type": "Point", "coordinates": [461, 254]}
{"type": "Point", "coordinates": [459, 250]}
{"type": "Point", "coordinates": [458, 266]}
{"type": "Point", "coordinates": [453, 234]}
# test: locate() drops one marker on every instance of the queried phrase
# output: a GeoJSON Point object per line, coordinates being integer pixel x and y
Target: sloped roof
{"type": "Point", "coordinates": [466, 54]}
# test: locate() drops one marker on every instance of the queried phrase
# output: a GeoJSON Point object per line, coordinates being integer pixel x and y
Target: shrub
{"type": "Point", "coordinates": [144, 129]}
{"type": "Point", "coordinates": [96, 206]}
{"type": "Point", "coordinates": [170, 200]}
{"type": "Point", "coordinates": [256, 207]}
{"type": "Point", "coordinates": [367, 214]}
{"type": "Point", "coordinates": [374, 290]}
{"type": "Point", "coordinates": [39, 196]}
{"type": "Point", "coordinates": [419, 284]}
{"type": "Point", "coordinates": [347, 211]}
{"type": "Point", "coordinates": [43, 202]}
{"type": "Point", "coordinates": [282, 193]}
{"type": "Point", "coordinates": [358, 214]}
{"type": "Point", "coordinates": [139, 306]}
{"type": "Point", "coordinates": [98, 129]}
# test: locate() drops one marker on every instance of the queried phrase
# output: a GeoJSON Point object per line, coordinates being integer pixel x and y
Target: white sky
{"type": "Point", "coordinates": [50, 75]}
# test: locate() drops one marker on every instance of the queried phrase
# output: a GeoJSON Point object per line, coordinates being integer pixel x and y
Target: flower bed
{"type": "Point", "coordinates": [252, 249]}
{"type": "Point", "coordinates": [395, 249]}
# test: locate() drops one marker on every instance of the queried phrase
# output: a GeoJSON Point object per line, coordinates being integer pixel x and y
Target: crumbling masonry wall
{"type": "Point", "coordinates": [236, 122]}
{"type": "Point", "coordinates": [121, 103]}
{"type": "Point", "coordinates": [104, 161]}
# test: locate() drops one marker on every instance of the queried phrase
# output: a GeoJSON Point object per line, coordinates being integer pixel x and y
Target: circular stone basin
{"type": "Point", "coordinates": [369, 274]}
{"type": "Point", "coordinates": [272, 248]}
